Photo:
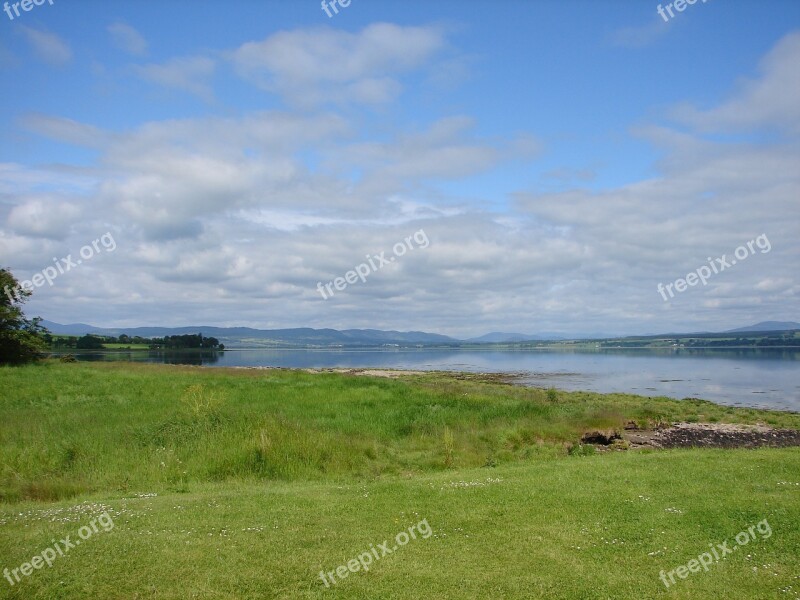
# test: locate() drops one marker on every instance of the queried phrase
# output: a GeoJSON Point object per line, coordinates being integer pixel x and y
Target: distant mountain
{"type": "Point", "coordinates": [767, 326]}
{"type": "Point", "coordinates": [304, 336]}
{"type": "Point", "coordinates": [498, 337]}
{"type": "Point", "coordinates": [411, 337]}
{"type": "Point", "coordinates": [73, 329]}
{"type": "Point", "coordinates": [307, 336]}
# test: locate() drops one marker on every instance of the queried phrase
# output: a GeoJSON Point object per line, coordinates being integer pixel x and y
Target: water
{"type": "Point", "coordinates": [735, 377]}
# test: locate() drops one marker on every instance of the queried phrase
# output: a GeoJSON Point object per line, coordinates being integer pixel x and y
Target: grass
{"type": "Point", "coordinates": [239, 483]}
{"type": "Point", "coordinates": [108, 346]}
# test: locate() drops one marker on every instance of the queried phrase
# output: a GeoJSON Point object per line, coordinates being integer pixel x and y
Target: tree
{"type": "Point", "coordinates": [209, 342]}
{"type": "Point", "coordinates": [89, 342]}
{"type": "Point", "coordinates": [21, 339]}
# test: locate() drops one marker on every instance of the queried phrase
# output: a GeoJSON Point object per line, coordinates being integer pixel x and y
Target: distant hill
{"type": "Point", "coordinates": [72, 329]}
{"type": "Point", "coordinates": [304, 336]}
{"type": "Point", "coordinates": [307, 336]}
{"type": "Point", "coordinates": [498, 337]}
{"type": "Point", "coordinates": [767, 326]}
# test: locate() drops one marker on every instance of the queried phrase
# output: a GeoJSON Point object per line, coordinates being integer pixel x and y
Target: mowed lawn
{"type": "Point", "coordinates": [246, 484]}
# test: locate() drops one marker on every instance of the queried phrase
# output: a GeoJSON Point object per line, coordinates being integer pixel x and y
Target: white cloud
{"type": "Point", "coordinates": [42, 217]}
{"type": "Point", "coordinates": [641, 36]}
{"type": "Point", "coordinates": [189, 74]}
{"type": "Point", "coordinates": [445, 151]}
{"type": "Point", "coordinates": [65, 130]}
{"type": "Point", "coordinates": [48, 46]}
{"type": "Point", "coordinates": [17, 180]}
{"type": "Point", "coordinates": [771, 101]}
{"type": "Point", "coordinates": [241, 216]}
{"type": "Point", "coordinates": [441, 151]}
{"type": "Point", "coordinates": [127, 39]}
{"type": "Point", "coordinates": [783, 285]}
{"type": "Point", "coordinates": [315, 66]}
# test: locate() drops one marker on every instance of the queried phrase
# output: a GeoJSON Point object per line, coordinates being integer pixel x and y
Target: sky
{"type": "Point", "coordinates": [565, 166]}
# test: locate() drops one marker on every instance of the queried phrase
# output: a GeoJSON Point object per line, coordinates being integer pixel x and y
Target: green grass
{"type": "Point", "coordinates": [126, 347]}
{"type": "Point", "coordinates": [265, 477]}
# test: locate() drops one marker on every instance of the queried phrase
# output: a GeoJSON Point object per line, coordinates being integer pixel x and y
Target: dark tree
{"type": "Point", "coordinates": [189, 341]}
{"type": "Point", "coordinates": [89, 342]}
{"type": "Point", "coordinates": [209, 342]}
{"type": "Point", "coordinates": [21, 339]}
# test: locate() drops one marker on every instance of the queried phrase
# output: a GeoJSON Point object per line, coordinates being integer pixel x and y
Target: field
{"type": "Point", "coordinates": [126, 347]}
{"type": "Point", "coordinates": [234, 483]}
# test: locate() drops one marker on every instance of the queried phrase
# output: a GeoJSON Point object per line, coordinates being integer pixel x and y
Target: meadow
{"type": "Point", "coordinates": [246, 483]}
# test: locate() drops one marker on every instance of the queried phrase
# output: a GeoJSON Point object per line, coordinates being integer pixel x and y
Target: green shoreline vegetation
{"type": "Point", "coordinates": [245, 483]}
{"type": "Point", "coordinates": [773, 340]}
{"type": "Point", "coordinates": [125, 342]}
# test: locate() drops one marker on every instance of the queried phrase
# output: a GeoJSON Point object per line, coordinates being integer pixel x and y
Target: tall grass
{"type": "Point", "coordinates": [66, 429]}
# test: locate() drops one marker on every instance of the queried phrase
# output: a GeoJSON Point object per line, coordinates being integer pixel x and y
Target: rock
{"type": "Point", "coordinates": [714, 435]}
{"type": "Point", "coordinates": [602, 437]}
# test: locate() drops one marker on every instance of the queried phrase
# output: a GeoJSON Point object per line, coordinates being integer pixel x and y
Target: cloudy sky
{"type": "Point", "coordinates": [562, 158]}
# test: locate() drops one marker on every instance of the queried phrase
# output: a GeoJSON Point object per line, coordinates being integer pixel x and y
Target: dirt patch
{"type": "Point", "coordinates": [712, 435]}
{"type": "Point", "coordinates": [391, 374]}
{"type": "Point", "coordinates": [502, 378]}
{"type": "Point", "coordinates": [601, 437]}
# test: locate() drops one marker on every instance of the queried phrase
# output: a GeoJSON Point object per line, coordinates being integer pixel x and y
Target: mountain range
{"type": "Point", "coordinates": [306, 336]}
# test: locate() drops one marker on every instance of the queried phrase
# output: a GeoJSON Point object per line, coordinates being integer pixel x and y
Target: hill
{"type": "Point", "coordinates": [768, 326]}
{"type": "Point", "coordinates": [310, 337]}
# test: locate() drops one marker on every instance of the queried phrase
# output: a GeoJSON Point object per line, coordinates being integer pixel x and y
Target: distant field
{"type": "Point", "coordinates": [234, 483]}
{"type": "Point", "coordinates": [126, 346]}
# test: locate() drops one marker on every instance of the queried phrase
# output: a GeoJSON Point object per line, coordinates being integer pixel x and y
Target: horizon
{"type": "Point", "coordinates": [403, 166]}
{"type": "Point", "coordinates": [510, 333]}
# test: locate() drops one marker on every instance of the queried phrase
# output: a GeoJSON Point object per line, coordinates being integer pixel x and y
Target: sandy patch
{"type": "Point", "coordinates": [391, 374]}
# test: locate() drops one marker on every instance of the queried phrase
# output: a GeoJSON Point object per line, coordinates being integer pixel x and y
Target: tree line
{"type": "Point", "coordinates": [169, 342]}
{"type": "Point", "coordinates": [23, 340]}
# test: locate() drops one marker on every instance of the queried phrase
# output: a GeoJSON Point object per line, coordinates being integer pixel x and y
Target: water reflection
{"type": "Point", "coordinates": [768, 378]}
{"type": "Point", "coordinates": [169, 357]}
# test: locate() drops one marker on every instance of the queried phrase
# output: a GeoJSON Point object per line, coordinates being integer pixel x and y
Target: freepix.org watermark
{"type": "Point", "coordinates": [49, 274]}
{"type": "Point", "coordinates": [706, 559]}
{"type": "Point", "coordinates": [48, 555]}
{"type": "Point", "coordinates": [25, 5]}
{"type": "Point", "coordinates": [717, 265]}
{"type": "Point", "coordinates": [327, 6]}
{"type": "Point", "coordinates": [363, 270]}
{"type": "Point", "coordinates": [678, 5]}
{"type": "Point", "coordinates": [364, 559]}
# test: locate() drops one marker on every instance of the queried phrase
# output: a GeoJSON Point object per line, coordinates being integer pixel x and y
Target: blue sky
{"type": "Point", "coordinates": [563, 158]}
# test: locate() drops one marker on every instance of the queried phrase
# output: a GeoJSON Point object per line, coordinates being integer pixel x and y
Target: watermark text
{"type": "Point", "coordinates": [48, 555]}
{"type": "Point", "coordinates": [364, 559]}
{"type": "Point", "coordinates": [25, 5]}
{"type": "Point", "coordinates": [719, 551]}
{"type": "Point", "coordinates": [63, 265]}
{"type": "Point", "coordinates": [702, 274]}
{"type": "Point", "coordinates": [363, 270]}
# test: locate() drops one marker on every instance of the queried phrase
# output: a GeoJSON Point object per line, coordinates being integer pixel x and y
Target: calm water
{"type": "Point", "coordinates": [759, 378]}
